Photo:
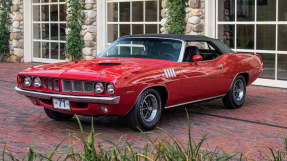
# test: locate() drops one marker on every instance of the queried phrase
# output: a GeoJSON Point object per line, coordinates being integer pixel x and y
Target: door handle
{"type": "Point", "coordinates": [220, 67]}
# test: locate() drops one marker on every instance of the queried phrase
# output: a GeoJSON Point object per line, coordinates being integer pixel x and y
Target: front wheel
{"type": "Point", "coordinates": [147, 111]}
{"type": "Point", "coordinates": [235, 98]}
{"type": "Point", "coordinates": [57, 115]}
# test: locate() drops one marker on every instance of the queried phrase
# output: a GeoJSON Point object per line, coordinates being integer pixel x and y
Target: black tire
{"type": "Point", "coordinates": [57, 115]}
{"type": "Point", "coordinates": [235, 98]}
{"type": "Point", "coordinates": [143, 118]}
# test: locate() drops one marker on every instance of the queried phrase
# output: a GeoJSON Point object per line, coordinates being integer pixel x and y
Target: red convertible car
{"type": "Point", "coordinates": [140, 75]}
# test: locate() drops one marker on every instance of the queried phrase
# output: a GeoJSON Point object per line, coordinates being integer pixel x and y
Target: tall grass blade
{"type": "Point", "coordinates": [31, 155]}
{"type": "Point", "coordinates": [3, 153]}
{"type": "Point", "coordinates": [56, 149]}
{"type": "Point", "coordinates": [81, 130]}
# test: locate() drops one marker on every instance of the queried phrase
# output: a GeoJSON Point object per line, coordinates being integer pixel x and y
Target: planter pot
{"type": "Point", "coordinates": [2, 57]}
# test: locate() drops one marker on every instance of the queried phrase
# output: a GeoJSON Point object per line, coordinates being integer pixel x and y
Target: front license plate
{"type": "Point", "coordinates": [61, 104]}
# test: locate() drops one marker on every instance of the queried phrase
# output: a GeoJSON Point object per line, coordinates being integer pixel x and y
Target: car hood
{"type": "Point", "coordinates": [102, 69]}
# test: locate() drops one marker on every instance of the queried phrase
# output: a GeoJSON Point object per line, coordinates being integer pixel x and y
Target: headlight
{"type": "Point", "coordinates": [111, 89]}
{"type": "Point", "coordinates": [27, 81]}
{"type": "Point", "coordinates": [99, 88]}
{"type": "Point", "coordinates": [37, 82]}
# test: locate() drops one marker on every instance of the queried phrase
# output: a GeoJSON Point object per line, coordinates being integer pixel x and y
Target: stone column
{"type": "Point", "coordinates": [90, 29]}
{"type": "Point", "coordinates": [164, 15]}
{"type": "Point", "coordinates": [195, 17]}
{"type": "Point", "coordinates": [17, 32]}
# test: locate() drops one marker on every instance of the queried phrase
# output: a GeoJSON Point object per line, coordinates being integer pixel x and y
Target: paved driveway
{"type": "Point", "coordinates": [260, 123]}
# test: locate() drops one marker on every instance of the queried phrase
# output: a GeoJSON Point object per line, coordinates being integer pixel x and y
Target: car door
{"type": "Point", "coordinates": [200, 80]}
{"type": "Point", "coordinates": [204, 79]}
{"type": "Point", "coordinates": [217, 77]}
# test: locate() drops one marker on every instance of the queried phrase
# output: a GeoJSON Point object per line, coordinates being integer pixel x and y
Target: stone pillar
{"type": "Point", "coordinates": [89, 31]}
{"type": "Point", "coordinates": [195, 17]}
{"type": "Point", "coordinates": [17, 32]}
{"type": "Point", "coordinates": [164, 15]}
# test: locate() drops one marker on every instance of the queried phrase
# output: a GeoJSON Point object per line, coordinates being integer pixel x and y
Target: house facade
{"type": "Point", "coordinates": [249, 26]}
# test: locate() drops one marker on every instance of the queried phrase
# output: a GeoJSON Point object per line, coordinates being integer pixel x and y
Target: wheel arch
{"type": "Point", "coordinates": [246, 76]}
{"type": "Point", "coordinates": [163, 93]}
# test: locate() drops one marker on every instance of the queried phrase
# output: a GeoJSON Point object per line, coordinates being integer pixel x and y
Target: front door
{"type": "Point", "coordinates": [204, 79]}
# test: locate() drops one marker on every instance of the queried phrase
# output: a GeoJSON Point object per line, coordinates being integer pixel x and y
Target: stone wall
{"type": "Point", "coordinates": [195, 17]}
{"type": "Point", "coordinates": [17, 32]}
{"type": "Point", "coordinates": [90, 29]}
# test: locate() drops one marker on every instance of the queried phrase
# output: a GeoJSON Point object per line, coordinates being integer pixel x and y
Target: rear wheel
{"type": "Point", "coordinates": [57, 115]}
{"type": "Point", "coordinates": [147, 111]}
{"type": "Point", "coordinates": [235, 98]}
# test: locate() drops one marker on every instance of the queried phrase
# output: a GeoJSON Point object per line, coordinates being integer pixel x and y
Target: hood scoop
{"type": "Point", "coordinates": [109, 64]}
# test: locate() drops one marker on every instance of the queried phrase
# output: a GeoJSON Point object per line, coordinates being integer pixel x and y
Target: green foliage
{"type": "Point", "coordinates": [176, 16]}
{"type": "Point", "coordinates": [75, 20]}
{"type": "Point", "coordinates": [5, 22]}
{"type": "Point", "coordinates": [161, 149]}
{"type": "Point", "coordinates": [279, 155]}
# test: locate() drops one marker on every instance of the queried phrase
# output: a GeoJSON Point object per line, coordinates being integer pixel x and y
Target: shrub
{"type": "Point", "coordinates": [176, 16]}
{"type": "Point", "coordinates": [75, 42]}
{"type": "Point", "coordinates": [5, 10]}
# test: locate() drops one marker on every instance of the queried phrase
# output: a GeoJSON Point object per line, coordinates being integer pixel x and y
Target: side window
{"type": "Point", "coordinates": [205, 49]}
{"type": "Point", "coordinates": [202, 45]}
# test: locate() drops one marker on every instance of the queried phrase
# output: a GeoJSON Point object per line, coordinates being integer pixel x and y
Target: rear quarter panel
{"type": "Point", "coordinates": [245, 63]}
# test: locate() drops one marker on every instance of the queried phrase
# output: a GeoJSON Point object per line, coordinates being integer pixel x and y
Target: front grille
{"type": "Point", "coordinates": [63, 85]}
{"type": "Point", "coordinates": [51, 84]}
{"type": "Point", "coordinates": [67, 86]}
{"type": "Point", "coordinates": [77, 86]}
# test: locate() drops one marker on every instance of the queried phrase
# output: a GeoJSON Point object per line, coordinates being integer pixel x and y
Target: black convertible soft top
{"type": "Point", "coordinates": [172, 36]}
{"type": "Point", "coordinates": [219, 44]}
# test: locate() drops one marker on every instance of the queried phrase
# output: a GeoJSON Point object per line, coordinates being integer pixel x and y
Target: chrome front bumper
{"type": "Point", "coordinates": [83, 99]}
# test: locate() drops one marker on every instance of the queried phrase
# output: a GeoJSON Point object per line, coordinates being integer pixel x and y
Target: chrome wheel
{"type": "Point", "coordinates": [238, 90]}
{"type": "Point", "coordinates": [235, 98]}
{"type": "Point", "coordinates": [147, 111]}
{"type": "Point", "coordinates": [149, 108]}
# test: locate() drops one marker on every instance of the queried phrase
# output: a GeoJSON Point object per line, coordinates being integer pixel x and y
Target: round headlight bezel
{"type": "Point", "coordinates": [27, 82]}
{"type": "Point", "coordinates": [37, 82]}
{"type": "Point", "coordinates": [111, 89]}
{"type": "Point", "coordinates": [99, 88]}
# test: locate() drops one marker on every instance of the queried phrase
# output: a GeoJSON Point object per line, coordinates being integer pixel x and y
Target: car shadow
{"type": "Point", "coordinates": [169, 117]}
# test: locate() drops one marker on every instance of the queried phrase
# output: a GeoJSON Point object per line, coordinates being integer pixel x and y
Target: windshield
{"type": "Point", "coordinates": [150, 48]}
